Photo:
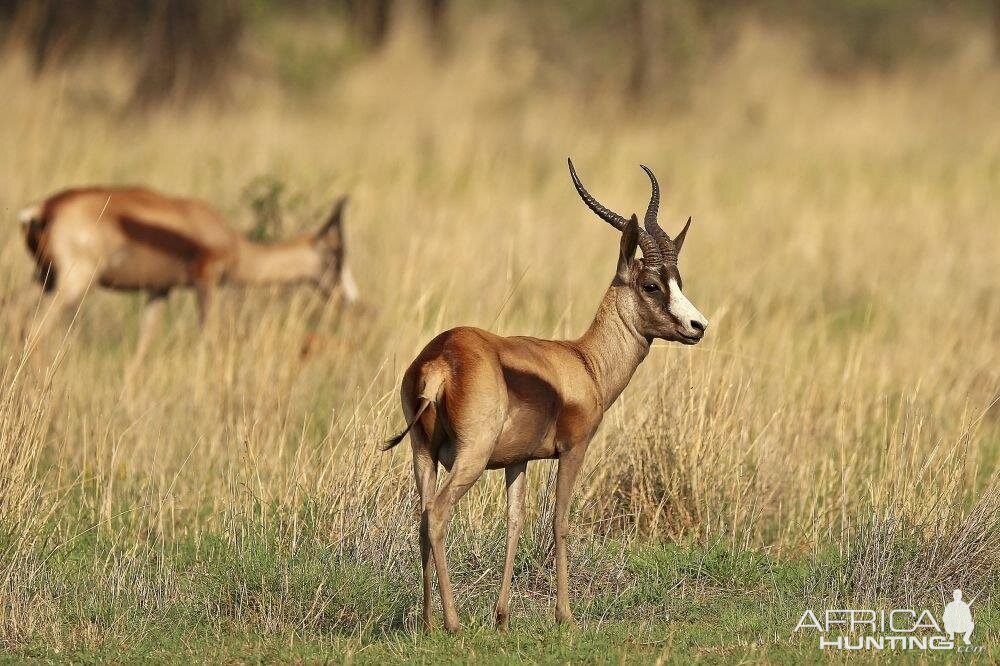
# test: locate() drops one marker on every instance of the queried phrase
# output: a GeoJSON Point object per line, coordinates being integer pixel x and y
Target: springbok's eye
{"type": "Point", "coordinates": [650, 287]}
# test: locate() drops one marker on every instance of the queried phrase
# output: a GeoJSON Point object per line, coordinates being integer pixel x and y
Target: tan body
{"type": "Point", "coordinates": [132, 238]}
{"type": "Point", "coordinates": [475, 401]}
{"type": "Point", "coordinates": [551, 397]}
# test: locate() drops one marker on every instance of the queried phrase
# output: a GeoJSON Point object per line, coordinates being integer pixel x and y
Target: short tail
{"type": "Point", "coordinates": [433, 380]}
{"type": "Point", "coordinates": [396, 439]}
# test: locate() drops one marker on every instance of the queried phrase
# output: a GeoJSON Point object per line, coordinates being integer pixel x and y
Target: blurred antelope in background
{"type": "Point", "coordinates": [135, 239]}
{"type": "Point", "coordinates": [475, 401]}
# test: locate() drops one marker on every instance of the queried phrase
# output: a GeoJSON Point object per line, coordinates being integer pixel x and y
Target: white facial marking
{"type": "Point", "coordinates": [681, 308]}
{"type": "Point", "coordinates": [349, 285]}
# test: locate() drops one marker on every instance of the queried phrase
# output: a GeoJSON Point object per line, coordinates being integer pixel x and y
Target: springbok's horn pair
{"type": "Point", "coordinates": [657, 247]}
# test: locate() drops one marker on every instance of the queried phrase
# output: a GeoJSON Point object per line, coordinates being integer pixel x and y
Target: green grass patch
{"type": "Point", "coordinates": [260, 599]}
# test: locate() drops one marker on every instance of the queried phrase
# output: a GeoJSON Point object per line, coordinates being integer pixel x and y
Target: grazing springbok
{"type": "Point", "coordinates": [475, 401]}
{"type": "Point", "coordinates": [135, 239]}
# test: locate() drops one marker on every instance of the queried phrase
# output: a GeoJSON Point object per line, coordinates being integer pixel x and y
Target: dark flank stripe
{"type": "Point", "coordinates": [164, 240]}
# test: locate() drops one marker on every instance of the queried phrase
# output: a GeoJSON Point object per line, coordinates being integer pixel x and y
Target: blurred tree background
{"type": "Point", "coordinates": [181, 51]}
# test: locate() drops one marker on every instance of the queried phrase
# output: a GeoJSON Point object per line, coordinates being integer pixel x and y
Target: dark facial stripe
{"type": "Point", "coordinates": [670, 272]}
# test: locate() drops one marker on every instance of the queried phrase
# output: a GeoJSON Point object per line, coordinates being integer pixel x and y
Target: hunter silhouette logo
{"type": "Point", "coordinates": [958, 618]}
{"type": "Point", "coordinates": [896, 629]}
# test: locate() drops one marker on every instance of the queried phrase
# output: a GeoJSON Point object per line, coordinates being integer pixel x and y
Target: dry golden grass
{"type": "Point", "coordinates": [845, 247]}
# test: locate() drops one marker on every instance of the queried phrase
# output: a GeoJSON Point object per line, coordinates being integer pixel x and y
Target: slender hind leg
{"type": "Point", "coordinates": [425, 473]}
{"type": "Point", "coordinates": [516, 484]}
{"type": "Point", "coordinates": [470, 462]}
{"type": "Point", "coordinates": [72, 286]}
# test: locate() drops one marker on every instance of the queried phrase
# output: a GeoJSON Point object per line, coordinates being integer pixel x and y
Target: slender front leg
{"type": "Point", "coordinates": [205, 291]}
{"type": "Point", "coordinates": [516, 484]}
{"type": "Point", "coordinates": [207, 276]}
{"type": "Point", "coordinates": [151, 315]}
{"type": "Point", "coordinates": [569, 466]}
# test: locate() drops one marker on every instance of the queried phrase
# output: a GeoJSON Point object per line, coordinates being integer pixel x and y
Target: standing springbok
{"type": "Point", "coordinates": [475, 401]}
{"type": "Point", "coordinates": [135, 239]}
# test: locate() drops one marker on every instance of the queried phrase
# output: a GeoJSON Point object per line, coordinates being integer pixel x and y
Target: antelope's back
{"type": "Point", "coordinates": [133, 236]}
{"type": "Point", "coordinates": [547, 392]}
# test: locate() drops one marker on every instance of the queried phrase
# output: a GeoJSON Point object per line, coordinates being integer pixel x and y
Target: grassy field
{"type": "Point", "coordinates": [833, 443]}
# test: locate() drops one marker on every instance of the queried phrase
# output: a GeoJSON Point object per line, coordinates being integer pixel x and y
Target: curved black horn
{"type": "Point", "coordinates": [650, 247]}
{"type": "Point", "coordinates": [679, 240]}
{"type": "Point", "coordinates": [650, 222]}
{"type": "Point", "coordinates": [609, 216]}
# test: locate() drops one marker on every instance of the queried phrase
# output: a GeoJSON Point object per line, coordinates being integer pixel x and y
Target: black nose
{"type": "Point", "coordinates": [698, 326]}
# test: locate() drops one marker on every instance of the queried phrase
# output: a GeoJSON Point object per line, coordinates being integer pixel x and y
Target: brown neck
{"type": "Point", "coordinates": [295, 260]}
{"type": "Point", "coordinates": [612, 348]}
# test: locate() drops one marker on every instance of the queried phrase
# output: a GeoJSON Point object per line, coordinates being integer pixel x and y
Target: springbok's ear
{"type": "Point", "coordinates": [333, 228]}
{"type": "Point", "coordinates": [679, 241]}
{"type": "Point", "coordinates": [630, 241]}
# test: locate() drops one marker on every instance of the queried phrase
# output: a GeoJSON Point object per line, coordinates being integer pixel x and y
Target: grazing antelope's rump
{"type": "Point", "coordinates": [132, 238]}
{"type": "Point", "coordinates": [475, 401]}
